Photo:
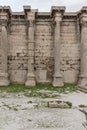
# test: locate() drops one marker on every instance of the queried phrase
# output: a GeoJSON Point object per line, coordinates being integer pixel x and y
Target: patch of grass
{"type": "Point", "coordinates": [82, 105]}
{"type": "Point", "coordinates": [66, 87]}
{"type": "Point", "coordinates": [69, 104]}
{"type": "Point", "coordinates": [49, 90]}
{"type": "Point", "coordinates": [42, 95]}
{"type": "Point", "coordinates": [13, 88]}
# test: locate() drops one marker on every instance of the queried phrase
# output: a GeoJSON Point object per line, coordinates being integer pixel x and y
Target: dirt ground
{"type": "Point", "coordinates": [18, 112]}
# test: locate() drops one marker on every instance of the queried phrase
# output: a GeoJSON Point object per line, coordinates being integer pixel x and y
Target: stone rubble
{"type": "Point", "coordinates": [18, 112]}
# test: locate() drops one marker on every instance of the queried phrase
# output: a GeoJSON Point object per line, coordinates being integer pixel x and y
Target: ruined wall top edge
{"type": "Point", "coordinates": [27, 9]}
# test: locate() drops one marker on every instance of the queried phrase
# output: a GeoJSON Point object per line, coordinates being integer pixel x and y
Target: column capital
{"type": "Point", "coordinates": [57, 17]}
{"type": "Point", "coordinates": [57, 20]}
{"type": "Point", "coordinates": [57, 11]}
{"type": "Point", "coordinates": [31, 23]}
{"type": "Point", "coordinates": [31, 18]}
{"type": "Point", "coordinates": [5, 13]}
{"type": "Point", "coordinates": [31, 15]}
{"type": "Point", "coordinates": [82, 15]}
{"type": "Point", "coordinates": [83, 23]}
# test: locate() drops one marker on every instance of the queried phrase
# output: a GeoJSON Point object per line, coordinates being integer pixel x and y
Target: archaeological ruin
{"type": "Point", "coordinates": [43, 47]}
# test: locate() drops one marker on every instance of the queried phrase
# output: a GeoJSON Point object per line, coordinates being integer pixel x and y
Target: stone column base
{"type": "Point", "coordinates": [4, 79]}
{"type": "Point", "coordinates": [82, 85]}
{"type": "Point", "coordinates": [58, 81]}
{"type": "Point", "coordinates": [82, 88]}
{"type": "Point", "coordinates": [4, 82]}
{"type": "Point", "coordinates": [30, 80]}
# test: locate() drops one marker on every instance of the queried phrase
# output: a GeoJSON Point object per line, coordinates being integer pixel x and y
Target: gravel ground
{"type": "Point", "coordinates": [18, 112]}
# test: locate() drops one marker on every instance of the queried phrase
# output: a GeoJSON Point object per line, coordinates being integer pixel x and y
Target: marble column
{"type": "Point", "coordinates": [57, 77]}
{"type": "Point", "coordinates": [3, 48]}
{"type": "Point", "coordinates": [31, 76]}
{"type": "Point", "coordinates": [83, 69]}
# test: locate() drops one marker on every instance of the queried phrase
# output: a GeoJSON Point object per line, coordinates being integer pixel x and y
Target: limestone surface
{"type": "Point", "coordinates": [43, 47]}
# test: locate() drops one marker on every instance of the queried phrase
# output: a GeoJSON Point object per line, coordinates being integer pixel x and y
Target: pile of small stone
{"type": "Point", "coordinates": [59, 104]}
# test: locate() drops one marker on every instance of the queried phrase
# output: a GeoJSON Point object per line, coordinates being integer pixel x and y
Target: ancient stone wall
{"type": "Point", "coordinates": [17, 56]}
{"type": "Point", "coordinates": [44, 50]}
{"type": "Point", "coordinates": [43, 47]}
{"type": "Point", "coordinates": [0, 47]}
{"type": "Point", "coordinates": [70, 51]}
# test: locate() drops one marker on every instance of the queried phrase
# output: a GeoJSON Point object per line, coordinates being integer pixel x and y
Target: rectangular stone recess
{"type": "Point", "coordinates": [43, 51]}
{"type": "Point", "coordinates": [70, 52]}
{"type": "Point", "coordinates": [17, 56]}
{"type": "Point", "coordinates": [0, 48]}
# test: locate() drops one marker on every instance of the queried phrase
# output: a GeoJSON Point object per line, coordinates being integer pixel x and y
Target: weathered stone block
{"type": "Point", "coordinates": [35, 46]}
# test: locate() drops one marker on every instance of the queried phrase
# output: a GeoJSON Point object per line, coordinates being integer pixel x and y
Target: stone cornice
{"type": "Point", "coordinates": [43, 15]}
{"type": "Point", "coordinates": [59, 9]}
{"type": "Point", "coordinates": [83, 23]}
{"type": "Point", "coordinates": [18, 15]}
{"type": "Point", "coordinates": [84, 9]}
{"type": "Point", "coordinates": [70, 15]}
{"type": "Point", "coordinates": [6, 9]}
{"type": "Point", "coordinates": [33, 14]}
{"type": "Point", "coordinates": [19, 22]}
{"type": "Point", "coordinates": [27, 9]}
{"type": "Point", "coordinates": [82, 13]}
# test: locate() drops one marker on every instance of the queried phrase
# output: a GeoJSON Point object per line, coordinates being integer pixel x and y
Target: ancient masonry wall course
{"type": "Point", "coordinates": [43, 47]}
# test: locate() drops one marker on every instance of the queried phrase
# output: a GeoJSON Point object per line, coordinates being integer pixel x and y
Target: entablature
{"type": "Point", "coordinates": [56, 13]}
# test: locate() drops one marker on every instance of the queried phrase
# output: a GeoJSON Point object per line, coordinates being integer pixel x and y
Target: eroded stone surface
{"type": "Point", "coordinates": [19, 112]}
{"type": "Point", "coordinates": [57, 104]}
{"type": "Point", "coordinates": [43, 47]}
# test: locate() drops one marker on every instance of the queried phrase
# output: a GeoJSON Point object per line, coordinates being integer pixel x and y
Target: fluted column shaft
{"type": "Point", "coordinates": [4, 46]}
{"type": "Point", "coordinates": [83, 73]}
{"type": "Point", "coordinates": [31, 76]}
{"type": "Point", "coordinates": [58, 79]}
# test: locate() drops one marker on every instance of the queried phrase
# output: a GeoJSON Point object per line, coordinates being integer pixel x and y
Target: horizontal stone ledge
{"type": "Point", "coordinates": [82, 88]}
{"type": "Point", "coordinates": [69, 20]}
{"type": "Point", "coordinates": [59, 9]}
{"type": "Point", "coordinates": [41, 20]}
{"type": "Point", "coordinates": [48, 129]}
